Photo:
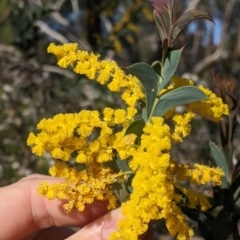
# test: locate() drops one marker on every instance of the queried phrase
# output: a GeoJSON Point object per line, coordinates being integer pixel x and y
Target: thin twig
{"type": "Point", "coordinates": [54, 69]}
{"type": "Point", "coordinates": [50, 32]}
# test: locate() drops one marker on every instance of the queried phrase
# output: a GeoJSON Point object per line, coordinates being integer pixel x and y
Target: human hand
{"type": "Point", "coordinates": [29, 216]}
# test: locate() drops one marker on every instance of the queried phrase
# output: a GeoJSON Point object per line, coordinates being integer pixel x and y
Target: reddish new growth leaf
{"type": "Point", "coordinates": [186, 19]}
{"type": "Point", "coordinates": [163, 15]}
{"type": "Point", "coordinates": [162, 5]}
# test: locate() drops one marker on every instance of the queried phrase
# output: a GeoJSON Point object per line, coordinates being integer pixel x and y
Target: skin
{"type": "Point", "coordinates": [26, 215]}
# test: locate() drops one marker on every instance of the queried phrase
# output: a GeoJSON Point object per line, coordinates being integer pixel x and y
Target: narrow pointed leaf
{"type": "Point", "coordinates": [165, 50]}
{"type": "Point", "coordinates": [149, 80]}
{"type": "Point", "coordinates": [163, 16]}
{"type": "Point", "coordinates": [179, 96]}
{"type": "Point", "coordinates": [120, 191]}
{"type": "Point", "coordinates": [220, 161]}
{"type": "Point", "coordinates": [169, 67]}
{"type": "Point", "coordinates": [162, 6]}
{"type": "Point", "coordinates": [160, 25]}
{"type": "Point", "coordinates": [156, 66]}
{"type": "Point", "coordinates": [187, 18]}
{"type": "Point", "coordinates": [118, 165]}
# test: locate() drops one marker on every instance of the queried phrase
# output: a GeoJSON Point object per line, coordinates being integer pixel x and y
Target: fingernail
{"type": "Point", "coordinates": [111, 223]}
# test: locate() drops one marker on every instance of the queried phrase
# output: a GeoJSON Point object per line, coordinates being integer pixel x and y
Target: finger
{"type": "Point", "coordinates": [38, 176]}
{"type": "Point", "coordinates": [24, 212]}
{"type": "Point", "coordinates": [99, 229]}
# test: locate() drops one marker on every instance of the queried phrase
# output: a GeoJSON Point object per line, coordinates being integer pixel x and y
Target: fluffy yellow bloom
{"type": "Point", "coordinates": [103, 71]}
{"type": "Point", "coordinates": [212, 108]}
{"type": "Point", "coordinates": [202, 174]}
{"type": "Point", "coordinates": [98, 144]}
{"type": "Point", "coordinates": [155, 176]}
{"type": "Point", "coordinates": [67, 134]}
{"type": "Point", "coordinates": [182, 126]}
{"type": "Point", "coordinates": [81, 187]}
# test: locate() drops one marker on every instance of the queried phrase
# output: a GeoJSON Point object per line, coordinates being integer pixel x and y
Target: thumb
{"type": "Point", "coordinates": [100, 229]}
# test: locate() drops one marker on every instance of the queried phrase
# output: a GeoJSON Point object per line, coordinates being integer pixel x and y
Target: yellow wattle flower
{"type": "Point", "coordinates": [93, 139]}
{"type": "Point", "coordinates": [103, 71]}
{"type": "Point", "coordinates": [212, 108]}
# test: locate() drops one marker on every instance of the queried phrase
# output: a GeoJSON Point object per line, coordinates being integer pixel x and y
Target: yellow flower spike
{"type": "Point", "coordinates": [108, 115]}
{"type": "Point", "coordinates": [58, 153]}
{"type": "Point", "coordinates": [182, 126]}
{"type": "Point", "coordinates": [61, 51]}
{"type": "Point", "coordinates": [103, 71]}
{"type": "Point", "coordinates": [131, 112]}
{"type": "Point", "coordinates": [195, 199]}
{"type": "Point", "coordinates": [85, 130]}
{"type": "Point", "coordinates": [201, 174]}
{"type": "Point", "coordinates": [81, 188]}
{"type": "Point", "coordinates": [119, 116]}
{"type": "Point", "coordinates": [104, 156]}
{"type": "Point", "coordinates": [94, 138]}
{"type": "Point", "coordinates": [213, 108]}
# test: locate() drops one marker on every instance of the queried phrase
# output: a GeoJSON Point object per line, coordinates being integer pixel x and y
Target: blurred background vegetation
{"type": "Point", "coordinates": [33, 87]}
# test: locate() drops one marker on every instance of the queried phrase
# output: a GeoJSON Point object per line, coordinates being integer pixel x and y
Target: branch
{"type": "Point", "coordinates": [54, 69]}
{"type": "Point", "coordinates": [210, 59]}
{"type": "Point", "coordinates": [221, 50]}
{"type": "Point", "coordinates": [60, 19]}
{"type": "Point", "coordinates": [51, 33]}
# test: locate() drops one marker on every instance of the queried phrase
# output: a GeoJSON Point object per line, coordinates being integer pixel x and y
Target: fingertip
{"type": "Point", "coordinates": [101, 228]}
{"type": "Point", "coordinates": [111, 223]}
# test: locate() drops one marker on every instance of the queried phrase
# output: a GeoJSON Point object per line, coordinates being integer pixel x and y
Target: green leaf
{"type": "Point", "coordinates": [144, 114]}
{"type": "Point", "coordinates": [165, 50]}
{"type": "Point", "coordinates": [149, 80]}
{"type": "Point", "coordinates": [169, 67]}
{"type": "Point", "coordinates": [156, 66]}
{"type": "Point", "coordinates": [120, 191]}
{"type": "Point", "coordinates": [118, 165]}
{"type": "Point", "coordinates": [136, 127]}
{"type": "Point", "coordinates": [176, 97]}
{"type": "Point", "coordinates": [129, 183]}
{"type": "Point", "coordinates": [187, 18]}
{"type": "Point", "coordinates": [220, 161]}
{"type": "Point", "coordinates": [220, 230]}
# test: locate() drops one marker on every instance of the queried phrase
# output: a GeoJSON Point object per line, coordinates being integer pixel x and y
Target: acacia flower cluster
{"type": "Point", "coordinates": [89, 147]}
{"type": "Point", "coordinates": [105, 71]}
